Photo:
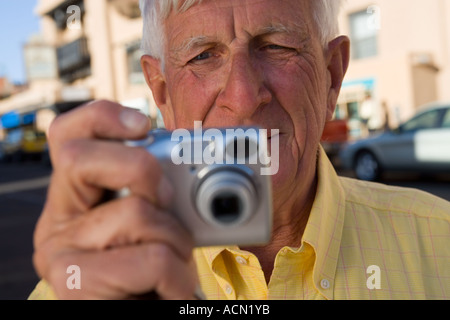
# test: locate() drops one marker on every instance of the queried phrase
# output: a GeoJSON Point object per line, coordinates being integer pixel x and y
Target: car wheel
{"type": "Point", "coordinates": [367, 166]}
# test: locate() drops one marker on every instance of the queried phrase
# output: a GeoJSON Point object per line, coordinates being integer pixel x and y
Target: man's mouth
{"type": "Point", "coordinates": [273, 134]}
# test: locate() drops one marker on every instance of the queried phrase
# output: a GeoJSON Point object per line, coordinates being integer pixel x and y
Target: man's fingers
{"type": "Point", "coordinates": [98, 119]}
{"type": "Point", "coordinates": [129, 221]}
{"type": "Point", "coordinates": [123, 272]}
{"type": "Point", "coordinates": [85, 173]}
{"type": "Point", "coordinates": [123, 248]}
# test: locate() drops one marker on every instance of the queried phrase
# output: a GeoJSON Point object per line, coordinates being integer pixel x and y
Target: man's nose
{"type": "Point", "coordinates": [244, 89]}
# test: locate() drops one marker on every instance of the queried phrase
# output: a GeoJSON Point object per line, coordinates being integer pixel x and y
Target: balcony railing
{"type": "Point", "coordinates": [74, 60]}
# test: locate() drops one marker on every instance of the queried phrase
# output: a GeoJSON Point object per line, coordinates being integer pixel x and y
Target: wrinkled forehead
{"type": "Point", "coordinates": [174, 7]}
{"type": "Point", "coordinates": [244, 14]}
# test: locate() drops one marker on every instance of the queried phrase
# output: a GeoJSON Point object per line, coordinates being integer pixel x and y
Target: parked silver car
{"type": "Point", "coordinates": [421, 144]}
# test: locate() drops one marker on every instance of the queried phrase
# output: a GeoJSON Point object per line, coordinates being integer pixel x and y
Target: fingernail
{"type": "Point", "coordinates": [133, 120]}
{"type": "Point", "coordinates": [165, 192]}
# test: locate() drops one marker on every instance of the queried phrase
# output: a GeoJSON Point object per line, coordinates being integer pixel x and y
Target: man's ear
{"type": "Point", "coordinates": [151, 67]}
{"type": "Point", "coordinates": [337, 57]}
{"type": "Point", "coordinates": [154, 76]}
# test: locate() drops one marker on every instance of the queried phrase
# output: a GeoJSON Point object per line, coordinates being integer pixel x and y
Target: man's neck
{"type": "Point", "coordinates": [289, 225]}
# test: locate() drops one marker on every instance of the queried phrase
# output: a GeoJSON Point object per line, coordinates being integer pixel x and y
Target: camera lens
{"type": "Point", "coordinates": [225, 198]}
{"type": "Point", "coordinates": [226, 207]}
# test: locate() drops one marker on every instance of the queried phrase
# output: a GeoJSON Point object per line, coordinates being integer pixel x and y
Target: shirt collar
{"type": "Point", "coordinates": [211, 253]}
{"type": "Point", "coordinates": [324, 228]}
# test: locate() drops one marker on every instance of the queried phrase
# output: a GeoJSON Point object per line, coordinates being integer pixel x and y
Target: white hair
{"type": "Point", "coordinates": [154, 12]}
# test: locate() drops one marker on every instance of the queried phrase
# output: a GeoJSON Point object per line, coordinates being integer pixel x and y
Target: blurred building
{"type": "Point", "coordinates": [86, 50]}
{"type": "Point", "coordinates": [6, 88]}
{"type": "Point", "coordinates": [91, 50]}
{"type": "Point", "coordinates": [400, 58]}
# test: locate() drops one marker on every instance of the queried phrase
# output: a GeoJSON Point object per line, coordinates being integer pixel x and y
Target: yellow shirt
{"type": "Point", "coordinates": [362, 241]}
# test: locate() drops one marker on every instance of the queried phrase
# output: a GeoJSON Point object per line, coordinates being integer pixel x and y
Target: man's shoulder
{"type": "Point", "coordinates": [391, 200]}
{"type": "Point", "coordinates": [403, 231]}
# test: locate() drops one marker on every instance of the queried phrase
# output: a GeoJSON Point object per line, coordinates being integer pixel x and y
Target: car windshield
{"type": "Point", "coordinates": [15, 136]}
{"type": "Point", "coordinates": [446, 120]}
{"type": "Point", "coordinates": [427, 120]}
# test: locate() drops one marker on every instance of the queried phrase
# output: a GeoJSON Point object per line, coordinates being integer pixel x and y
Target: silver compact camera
{"type": "Point", "coordinates": [221, 197]}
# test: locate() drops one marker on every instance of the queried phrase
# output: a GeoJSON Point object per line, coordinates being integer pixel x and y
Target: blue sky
{"type": "Point", "coordinates": [17, 23]}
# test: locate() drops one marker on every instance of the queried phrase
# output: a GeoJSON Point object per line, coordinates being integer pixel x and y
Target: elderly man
{"type": "Point", "coordinates": [275, 64]}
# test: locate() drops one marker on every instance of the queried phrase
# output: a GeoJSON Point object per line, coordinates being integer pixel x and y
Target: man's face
{"type": "Point", "coordinates": [249, 62]}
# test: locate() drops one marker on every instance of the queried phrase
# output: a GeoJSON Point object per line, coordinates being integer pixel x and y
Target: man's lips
{"type": "Point", "coordinates": [274, 135]}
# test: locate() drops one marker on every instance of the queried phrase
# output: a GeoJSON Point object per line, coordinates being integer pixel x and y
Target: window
{"type": "Point", "coordinates": [446, 121]}
{"type": "Point", "coordinates": [363, 33]}
{"type": "Point", "coordinates": [428, 120]}
{"type": "Point", "coordinates": [134, 54]}
{"type": "Point", "coordinates": [74, 60]}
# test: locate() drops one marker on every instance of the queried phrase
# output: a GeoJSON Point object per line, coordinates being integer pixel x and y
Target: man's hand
{"type": "Point", "coordinates": [126, 247]}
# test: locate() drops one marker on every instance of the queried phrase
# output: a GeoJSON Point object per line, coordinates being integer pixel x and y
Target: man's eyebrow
{"type": "Point", "coordinates": [297, 29]}
{"type": "Point", "coordinates": [199, 41]}
{"type": "Point", "coordinates": [192, 42]}
{"type": "Point", "coordinates": [277, 28]}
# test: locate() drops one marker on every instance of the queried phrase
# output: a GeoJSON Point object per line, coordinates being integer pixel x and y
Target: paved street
{"type": "Point", "coordinates": [22, 195]}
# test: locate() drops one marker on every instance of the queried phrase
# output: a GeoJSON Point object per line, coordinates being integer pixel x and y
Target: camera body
{"type": "Point", "coordinates": [221, 197]}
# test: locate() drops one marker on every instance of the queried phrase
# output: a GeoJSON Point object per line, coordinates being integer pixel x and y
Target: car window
{"type": "Point", "coordinates": [14, 136]}
{"type": "Point", "coordinates": [29, 135]}
{"type": "Point", "coordinates": [446, 120]}
{"type": "Point", "coordinates": [427, 120]}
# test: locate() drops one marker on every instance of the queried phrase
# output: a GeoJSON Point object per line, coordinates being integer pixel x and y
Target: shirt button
{"type": "Point", "coordinates": [228, 289]}
{"type": "Point", "coordinates": [325, 284]}
{"type": "Point", "coordinates": [241, 260]}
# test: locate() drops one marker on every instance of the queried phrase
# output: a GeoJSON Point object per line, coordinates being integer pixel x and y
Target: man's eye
{"type": "Point", "coordinates": [202, 56]}
{"type": "Point", "coordinates": [275, 51]}
{"type": "Point", "coordinates": [277, 47]}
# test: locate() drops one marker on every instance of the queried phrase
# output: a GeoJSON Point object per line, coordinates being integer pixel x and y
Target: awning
{"type": "Point", "coordinates": [14, 119]}
{"type": "Point", "coordinates": [10, 120]}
